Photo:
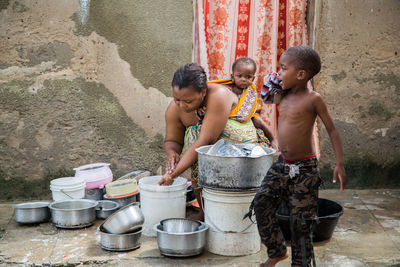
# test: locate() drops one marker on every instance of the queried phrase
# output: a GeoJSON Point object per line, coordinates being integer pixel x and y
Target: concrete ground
{"type": "Point", "coordinates": [368, 234]}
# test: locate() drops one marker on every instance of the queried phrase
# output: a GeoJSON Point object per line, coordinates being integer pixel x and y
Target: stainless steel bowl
{"type": "Point", "coordinates": [120, 242]}
{"type": "Point", "coordinates": [181, 237]}
{"type": "Point", "coordinates": [127, 219]}
{"type": "Point", "coordinates": [74, 213]}
{"type": "Point", "coordinates": [105, 208]}
{"type": "Point", "coordinates": [123, 201]}
{"type": "Point", "coordinates": [32, 212]}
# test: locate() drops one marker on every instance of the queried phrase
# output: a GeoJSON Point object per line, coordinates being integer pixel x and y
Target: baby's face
{"type": "Point", "coordinates": [243, 75]}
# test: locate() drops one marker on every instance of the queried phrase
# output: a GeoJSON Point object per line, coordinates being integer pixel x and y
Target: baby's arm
{"type": "Point", "coordinates": [323, 113]}
{"type": "Point", "coordinates": [259, 123]}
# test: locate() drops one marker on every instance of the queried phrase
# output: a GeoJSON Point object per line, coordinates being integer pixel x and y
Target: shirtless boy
{"type": "Point", "coordinates": [294, 177]}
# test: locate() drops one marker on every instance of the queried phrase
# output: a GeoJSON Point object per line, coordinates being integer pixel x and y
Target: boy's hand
{"type": "Point", "coordinates": [340, 173]}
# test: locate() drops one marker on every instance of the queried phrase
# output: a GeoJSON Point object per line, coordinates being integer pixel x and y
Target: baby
{"type": "Point", "coordinates": [243, 75]}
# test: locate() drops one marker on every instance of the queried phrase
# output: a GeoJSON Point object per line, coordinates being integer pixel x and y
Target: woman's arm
{"type": "Point", "coordinates": [174, 137]}
{"type": "Point", "coordinates": [219, 104]}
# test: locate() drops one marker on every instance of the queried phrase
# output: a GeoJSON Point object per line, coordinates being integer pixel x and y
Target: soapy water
{"type": "Point", "coordinates": [227, 149]}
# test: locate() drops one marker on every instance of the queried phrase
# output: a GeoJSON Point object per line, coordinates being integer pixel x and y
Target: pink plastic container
{"type": "Point", "coordinates": [96, 175]}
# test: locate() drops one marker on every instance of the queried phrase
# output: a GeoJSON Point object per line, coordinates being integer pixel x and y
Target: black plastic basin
{"type": "Point", "coordinates": [328, 214]}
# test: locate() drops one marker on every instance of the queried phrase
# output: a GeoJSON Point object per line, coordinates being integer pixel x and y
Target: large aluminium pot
{"type": "Point", "coordinates": [232, 173]}
{"type": "Point", "coordinates": [178, 237]}
{"type": "Point", "coordinates": [32, 212]}
{"type": "Point", "coordinates": [74, 213]}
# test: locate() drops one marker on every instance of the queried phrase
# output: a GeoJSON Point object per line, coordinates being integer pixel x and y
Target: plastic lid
{"type": "Point", "coordinates": [121, 187]}
{"type": "Point", "coordinates": [67, 181]}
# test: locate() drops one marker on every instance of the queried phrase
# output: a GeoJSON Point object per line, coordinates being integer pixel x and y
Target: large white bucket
{"type": "Point", "coordinates": [67, 188]}
{"type": "Point", "coordinates": [229, 234]}
{"type": "Point", "coordinates": [161, 202]}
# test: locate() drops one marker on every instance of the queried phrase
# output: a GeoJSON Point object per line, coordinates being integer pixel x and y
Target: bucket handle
{"type": "Point", "coordinates": [219, 230]}
{"type": "Point", "coordinates": [62, 191]}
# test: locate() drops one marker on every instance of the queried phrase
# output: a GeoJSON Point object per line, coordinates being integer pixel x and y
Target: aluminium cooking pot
{"type": "Point", "coordinates": [74, 213]}
{"type": "Point", "coordinates": [32, 212]}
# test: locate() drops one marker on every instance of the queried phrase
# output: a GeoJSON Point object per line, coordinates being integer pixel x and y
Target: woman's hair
{"type": "Point", "coordinates": [190, 75]}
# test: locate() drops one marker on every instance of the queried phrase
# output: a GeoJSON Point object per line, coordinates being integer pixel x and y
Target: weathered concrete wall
{"type": "Point", "coordinates": [359, 44]}
{"type": "Point", "coordinates": [80, 86]}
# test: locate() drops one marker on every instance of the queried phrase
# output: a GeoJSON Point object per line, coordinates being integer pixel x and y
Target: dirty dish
{"type": "Point", "coordinates": [120, 242]}
{"type": "Point", "coordinates": [32, 212]}
{"type": "Point", "coordinates": [105, 208]}
{"type": "Point", "coordinates": [127, 219]}
{"type": "Point", "coordinates": [178, 237]}
{"type": "Point", "coordinates": [76, 213]}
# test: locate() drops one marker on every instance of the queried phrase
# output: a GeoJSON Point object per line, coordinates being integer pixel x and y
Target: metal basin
{"type": "Point", "coordinates": [120, 242]}
{"type": "Point", "coordinates": [74, 213]}
{"type": "Point", "coordinates": [32, 212]}
{"type": "Point", "coordinates": [105, 208]}
{"type": "Point", "coordinates": [181, 237]}
{"type": "Point", "coordinates": [127, 219]}
{"type": "Point", "coordinates": [232, 173]}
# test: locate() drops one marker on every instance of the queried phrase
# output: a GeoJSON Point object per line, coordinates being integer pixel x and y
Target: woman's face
{"type": "Point", "coordinates": [188, 99]}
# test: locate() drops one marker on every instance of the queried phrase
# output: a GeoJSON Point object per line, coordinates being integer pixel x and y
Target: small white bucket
{"type": "Point", "coordinates": [229, 234]}
{"type": "Point", "coordinates": [161, 202]}
{"type": "Point", "coordinates": [67, 188]}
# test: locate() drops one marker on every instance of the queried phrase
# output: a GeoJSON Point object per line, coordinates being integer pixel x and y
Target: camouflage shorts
{"type": "Point", "coordinates": [295, 184]}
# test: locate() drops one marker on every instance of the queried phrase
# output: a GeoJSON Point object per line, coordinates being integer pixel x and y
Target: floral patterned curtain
{"type": "Point", "coordinates": [225, 30]}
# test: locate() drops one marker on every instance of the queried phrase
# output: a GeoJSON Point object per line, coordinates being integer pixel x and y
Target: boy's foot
{"type": "Point", "coordinates": [272, 261]}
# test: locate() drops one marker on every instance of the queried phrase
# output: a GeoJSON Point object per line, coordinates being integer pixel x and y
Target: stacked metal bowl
{"type": "Point", "coordinates": [178, 237]}
{"type": "Point", "coordinates": [122, 231]}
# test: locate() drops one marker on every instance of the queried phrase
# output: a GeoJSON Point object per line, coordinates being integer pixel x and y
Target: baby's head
{"type": "Point", "coordinates": [304, 58]}
{"type": "Point", "coordinates": [243, 71]}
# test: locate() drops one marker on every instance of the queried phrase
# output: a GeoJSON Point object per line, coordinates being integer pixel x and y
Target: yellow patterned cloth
{"type": "Point", "coordinates": [248, 105]}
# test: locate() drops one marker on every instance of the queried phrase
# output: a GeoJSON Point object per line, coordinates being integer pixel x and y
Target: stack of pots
{"type": "Point", "coordinates": [96, 175]}
{"type": "Point", "coordinates": [229, 185]}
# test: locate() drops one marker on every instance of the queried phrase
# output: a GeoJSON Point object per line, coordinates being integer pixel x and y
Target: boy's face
{"type": "Point", "coordinates": [243, 75]}
{"type": "Point", "coordinates": [188, 99]}
{"type": "Point", "coordinates": [288, 72]}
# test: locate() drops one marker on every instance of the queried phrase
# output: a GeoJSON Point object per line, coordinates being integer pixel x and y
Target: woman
{"type": "Point", "coordinates": [192, 96]}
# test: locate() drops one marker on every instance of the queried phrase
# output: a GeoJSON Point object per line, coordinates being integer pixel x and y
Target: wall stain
{"type": "Point", "coordinates": [4, 4]}
{"type": "Point", "coordinates": [365, 172]}
{"type": "Point", "coordinates": [86, 125]}
{"type": "Point", "coordinates": [376, 108]}
{"type": "Point", "coordinates": [54, 51]}
{"type": "Point", "coordinates": [154, 46]}
{"type": "Point", "coordinates": [19, 8]}
{"type": "Point", "coordinates": [338, 77]}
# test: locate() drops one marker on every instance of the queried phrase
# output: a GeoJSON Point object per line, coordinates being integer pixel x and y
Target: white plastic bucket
{"type": "Point", "coordinates": [67, 188]}
{"type": "Point", "coordinates": [161, 202]}
{"type": "Point", "coordinates": [229, 234]}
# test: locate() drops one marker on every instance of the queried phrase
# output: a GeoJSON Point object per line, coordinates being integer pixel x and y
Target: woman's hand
{"type": "Point", "coordinates": [172, 161]}
{"type": "Point", "coordinates": [166, 180]}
